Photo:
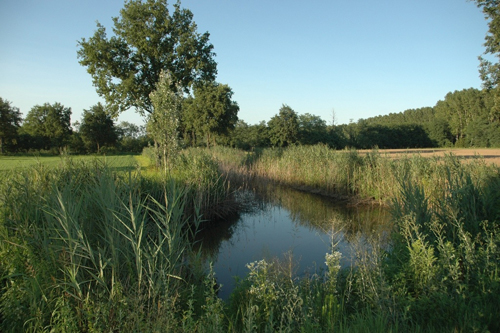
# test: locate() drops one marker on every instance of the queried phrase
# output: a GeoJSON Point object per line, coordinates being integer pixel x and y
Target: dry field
{"type": "Point", "coordinates": [490, 155]}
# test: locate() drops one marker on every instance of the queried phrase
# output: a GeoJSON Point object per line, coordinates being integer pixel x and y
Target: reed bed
{"type": "Point", "coordinates": [346, 174]}
{"type": "Point", "coordinates": [439, 274]}
{"type": "Point", "coordinates": [88, 249]}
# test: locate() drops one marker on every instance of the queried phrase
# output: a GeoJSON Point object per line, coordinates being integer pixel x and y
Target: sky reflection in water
{"type": "Point", "coordinates": [287, 221]}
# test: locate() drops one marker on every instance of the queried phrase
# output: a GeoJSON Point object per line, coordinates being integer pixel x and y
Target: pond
{"type": "Point", "coordinates": [280, 222]}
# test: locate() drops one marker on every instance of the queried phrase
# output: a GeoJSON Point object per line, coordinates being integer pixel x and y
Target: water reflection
{"type": "Point", "coordinates": [281, 220]}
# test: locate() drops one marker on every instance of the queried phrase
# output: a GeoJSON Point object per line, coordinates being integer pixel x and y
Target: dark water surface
{"type": "Point", "coordinates": [281, 221]}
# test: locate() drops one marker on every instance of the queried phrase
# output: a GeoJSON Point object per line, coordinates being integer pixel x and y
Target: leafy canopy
{"type": "Point", "coordinates": [10, 120]}
{"type": "Point", "coordinates": [490, 71]}
{"type": "Point", "coordinates": [211, 112]}
{"type": "Point", "coordinates": [147, 39]}
{"type": "Point", "coordinates": [284, 127]}
{"type": "Point", "coordinates": [49, 124]}
{"type": "Point", "coordinates": [97, 128]}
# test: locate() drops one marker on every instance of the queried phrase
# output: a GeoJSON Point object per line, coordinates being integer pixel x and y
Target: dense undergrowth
{"type": "Point", "coordinates": [87, 249]}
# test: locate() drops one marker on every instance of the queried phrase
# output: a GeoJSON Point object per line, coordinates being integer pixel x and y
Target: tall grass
{"type": "Point", "coordinates": [439, 274]}
{"type": "Point", "coordinates": [345, 174]}
{"type": "Point", "coordinates": [85, 249]}
{"type": "Point", "coordinates": [446, 258]}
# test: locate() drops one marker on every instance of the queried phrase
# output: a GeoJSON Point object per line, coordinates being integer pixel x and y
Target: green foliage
{"type": "Point", "coordinates": [163, 123]}
{"type": "Point", "coordinates": [284, 127]}
{"type": "Point", "coordinates": [49, 126]}
{"type": "Point", "coordinates": [464, 118]}
{"type": "Point", "coordinates": [249, 137]}
{"type": "Point", "coordinates": [444, 267]}
{"type": "Point", "coordinates": [440, 133]}
{"type": "Point", "coordinates": [10, 120]}
{"type": "Point", "coordinates": [87, 249]}
{"type": "Point", "coordinates": [312, 129]}
{"type": "Point", "coordinates": [97, 129]}
{"type": "Point", "coordinates": [460, 108]}
{"type": "Point", "coordinates": [131, 137]}
{"type": "Point", "coordinates": [146, 39]}
{"type": "Point", "coordinates": [210, 113]}
{"type": "Point", "coordinates": [489, 70]}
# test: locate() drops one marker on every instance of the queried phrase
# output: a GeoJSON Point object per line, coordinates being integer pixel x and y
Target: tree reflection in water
{"type": "Point", "coordinates": [278, 221]}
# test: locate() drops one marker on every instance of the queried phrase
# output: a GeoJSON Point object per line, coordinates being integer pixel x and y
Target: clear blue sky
{"type": "Point", "coordinates": [360, 58]}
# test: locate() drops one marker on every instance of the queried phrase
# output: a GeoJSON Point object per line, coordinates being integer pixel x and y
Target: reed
{"type": "Point", "coordinates": [440, 272]}
{"type": "Point", "coordinates": [346, 174]}
{"type": "Point", "coordinates": [86, 248]}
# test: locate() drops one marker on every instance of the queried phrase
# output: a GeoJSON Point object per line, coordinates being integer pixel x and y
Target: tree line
{"type": "Point", "coordinates": [48, 128]}
{"type": "Point", "coordinates": [466, 118]}
{"type": "Point", "coordinates": [157, 63]}
{"type": "Point", "coordinates": [206, 118]}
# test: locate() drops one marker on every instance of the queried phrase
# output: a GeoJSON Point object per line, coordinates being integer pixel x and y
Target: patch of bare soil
{"type": "Point", "coordinates": [490, 155]}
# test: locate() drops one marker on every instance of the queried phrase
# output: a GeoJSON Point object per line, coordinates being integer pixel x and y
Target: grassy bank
{"type": "Point", "coordinates": [85, 247]}
{"type": "Point", "coordinates": [347, 174]}
{"type": "Point", "coordinates": [440, 274]}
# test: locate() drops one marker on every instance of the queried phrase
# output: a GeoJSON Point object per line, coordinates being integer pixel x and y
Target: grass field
{"type": "Point", "coordinates": [116, 163]}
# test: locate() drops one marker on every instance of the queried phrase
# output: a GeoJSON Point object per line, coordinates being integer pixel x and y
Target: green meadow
{"type": "Point", "coordinates": [118, 162]}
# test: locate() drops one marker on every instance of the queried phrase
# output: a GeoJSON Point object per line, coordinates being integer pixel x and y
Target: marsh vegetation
{"type": "Point", "coordinates": [88, 248]}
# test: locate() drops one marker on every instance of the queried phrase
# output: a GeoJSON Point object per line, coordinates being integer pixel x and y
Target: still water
{"type": "Point", "coordinates": [281, 221]}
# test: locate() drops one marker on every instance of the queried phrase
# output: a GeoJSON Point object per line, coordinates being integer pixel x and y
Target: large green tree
{"type": "Point", "coordinates": [147, 38]}
{"type": "Point", "coordinates": [284, 127]}
{"type": "Point", "coordinates": [97, 128]}
{"type": "Point", "coordinates": [460, 108]}
{"type": "Point", "coordinates": [312, 129]}
{"type": "Point", "coordinates": [10, 120]}
{"type": "Point", "coordinates": [247, 137]}
{"type": "Point", "coordinates": [211, 113]}
{"type": "Point", "coordinates": [49, 125]}
{"type": "Point", "coordinates": [489, 69]}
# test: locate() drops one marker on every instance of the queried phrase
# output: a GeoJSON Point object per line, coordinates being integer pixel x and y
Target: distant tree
{"type": "Point", "coordinates": [312, 129]}
{"type": "Point", "coordinates": [97, 128]}
{"type": "Point", "coordinates": [483, 133]}
{"type": "Point", "coordinates": [284, 127]}
{"type": "Point", "coordinates": [76, 144]}
{"type": "Point", "coordinates": [48, 125]}
{"type": "Point", "coordinates": [246, 136]}
{"type": "Point", "coordinates": [460, 108]}
{"type": "Point", "coordinates": [127, 129]}
{"type": "Point", "coordinates": [333, 118]}
{"type": "Point", "coordinates": [163, 123]}
{"type": "Point", "coordinates": [131, 137]}
{"type": "Point", "coordinates": [211, 112]}
{"type": "Point", "coordinates": [10, 120]}
{"type": "Point", "coordinates": [147, 39]}
{"type": "Point", "coordinates": [239, 135]}
{"type": "Point", "coordinates": [439, 132]}
{"type": "Point", "coordinates": [489, 70]}
{"type": "Point", "coordinates": [336, 138]}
